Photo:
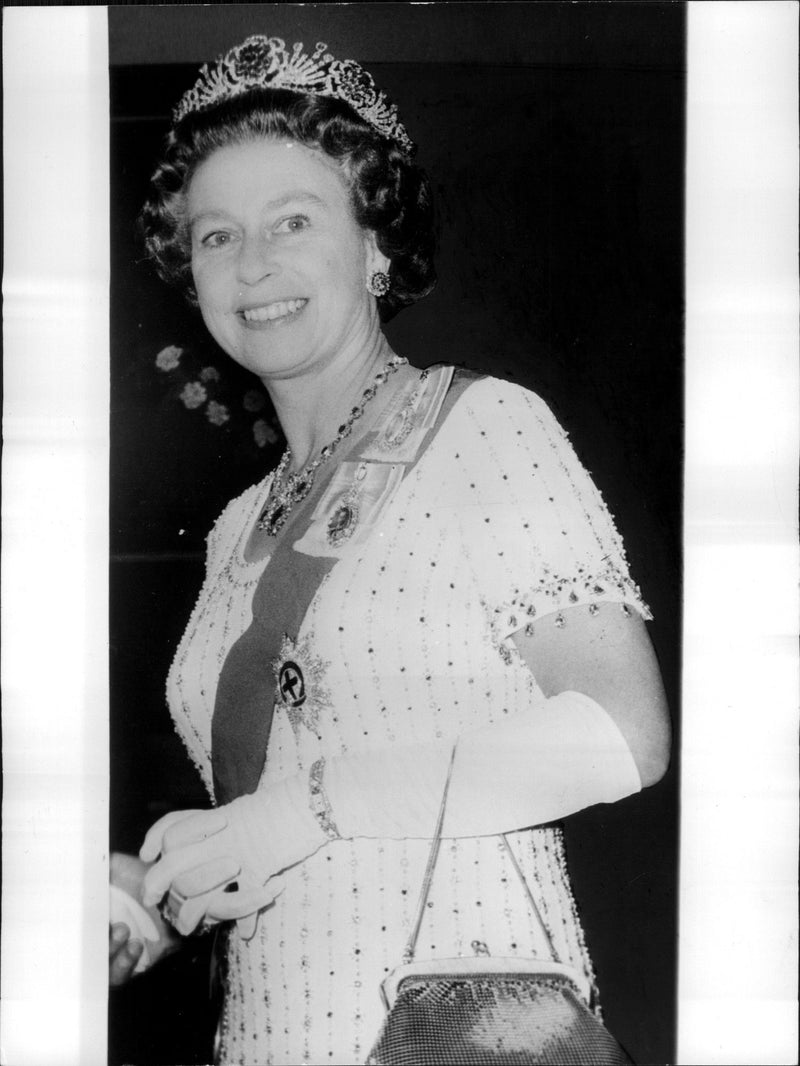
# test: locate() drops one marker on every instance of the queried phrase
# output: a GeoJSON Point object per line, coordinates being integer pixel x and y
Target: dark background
{"type": "Point", "coordinates": [554, 136]}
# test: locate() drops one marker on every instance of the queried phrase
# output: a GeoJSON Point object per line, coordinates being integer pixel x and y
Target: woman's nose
{"type": "Point", "coordinates": [256, 259]}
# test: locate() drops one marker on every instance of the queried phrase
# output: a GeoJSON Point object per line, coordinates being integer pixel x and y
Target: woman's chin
{"type": "Point", "coordinates": [269, 359]}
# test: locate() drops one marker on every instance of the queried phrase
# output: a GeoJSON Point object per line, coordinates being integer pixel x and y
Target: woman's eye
{"type": "Point", "coordinates": [294, 224]}
{"type": "Point", "coordinates": [218, 239]}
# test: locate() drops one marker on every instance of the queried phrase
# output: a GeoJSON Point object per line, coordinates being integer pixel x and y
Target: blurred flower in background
{"type": "Point", "coordinates": [264, 433]}
{"type": "Point", "coordinates": [217, 413]}
{"type": "Point", "coordinates": [228, 397]}
{"type": "Point", "coordinates": [193, 395]}
{"type": "Point", "coordinates": [254, 400]}
{"type": "Point", "coordinates": [169, 358]}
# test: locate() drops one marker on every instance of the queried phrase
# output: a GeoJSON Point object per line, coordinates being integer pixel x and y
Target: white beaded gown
{"type": "Point", "coordinates": [485, 523]}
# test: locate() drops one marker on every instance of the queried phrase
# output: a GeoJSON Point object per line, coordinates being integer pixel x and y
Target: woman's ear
{"type": "Point", "coordinates": [375, 260]}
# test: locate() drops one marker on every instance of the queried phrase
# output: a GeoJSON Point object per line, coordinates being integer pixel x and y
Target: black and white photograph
{"type": "Point", "coordinates": [401, 525]}
{"type": "Point", "coordinates": [423, 323]}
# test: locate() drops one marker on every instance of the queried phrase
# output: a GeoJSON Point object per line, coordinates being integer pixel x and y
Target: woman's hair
{"type": "Point", "coordinates": [389, 194]}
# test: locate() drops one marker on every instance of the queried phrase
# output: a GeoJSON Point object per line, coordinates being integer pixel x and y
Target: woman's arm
{"type": "Point", "coordinates": [608, 656]}
{"type": "Point", "coordinates": [601, 733]}
{"type": "Point", "coordinates": [566, 752]}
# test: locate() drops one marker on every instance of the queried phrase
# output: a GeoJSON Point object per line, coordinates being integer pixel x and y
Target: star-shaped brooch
{"type": "Point", "coordinates": [299, 686]}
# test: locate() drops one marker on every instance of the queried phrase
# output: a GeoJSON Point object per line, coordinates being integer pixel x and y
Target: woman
{"type": "Point", "coordinates": [429, 569]}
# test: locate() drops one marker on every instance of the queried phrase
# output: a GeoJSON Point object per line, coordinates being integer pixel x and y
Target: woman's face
{"type": "Point", "coordinates": [279, 263]}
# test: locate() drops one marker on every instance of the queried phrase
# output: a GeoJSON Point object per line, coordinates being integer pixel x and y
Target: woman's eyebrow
{"type": "Point", "coordinates": [302, 196]}
{"type": "Point", "coordinates": [298, 196]}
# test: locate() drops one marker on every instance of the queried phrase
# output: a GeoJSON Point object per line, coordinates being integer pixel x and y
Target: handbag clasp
{"type": "Point", "coordinates": [480, 948]}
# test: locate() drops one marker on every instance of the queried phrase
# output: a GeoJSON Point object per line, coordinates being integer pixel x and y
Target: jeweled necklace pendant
{"type": "Point", "coordinates": [401, 426]}
{"type": "Point", "coordinates": [343, 521]}
{"type": "Point", "coordinates": [281, 500]}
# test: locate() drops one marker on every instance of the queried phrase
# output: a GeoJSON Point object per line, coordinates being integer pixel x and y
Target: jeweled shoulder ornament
{"type": "Point", "coordinates": [266, 63]}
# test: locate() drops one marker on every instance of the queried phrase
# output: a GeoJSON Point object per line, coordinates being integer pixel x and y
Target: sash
{"type": "Point", "coordinates": [342, 511]}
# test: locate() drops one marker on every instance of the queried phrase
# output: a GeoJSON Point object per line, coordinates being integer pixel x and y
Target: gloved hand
{"type": "Point", "coordinates": [220, 864]}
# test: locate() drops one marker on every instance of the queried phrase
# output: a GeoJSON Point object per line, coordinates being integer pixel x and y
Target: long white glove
{"type": "Point", "coordinates": [564, 754]}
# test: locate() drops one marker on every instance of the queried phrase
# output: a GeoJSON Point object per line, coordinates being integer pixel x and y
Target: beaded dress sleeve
{"type": "Point", "coordinates": [533, 524]}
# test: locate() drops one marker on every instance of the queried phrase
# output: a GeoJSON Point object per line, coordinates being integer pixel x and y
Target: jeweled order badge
{"type": "Point", "coordinates": [299, 684]}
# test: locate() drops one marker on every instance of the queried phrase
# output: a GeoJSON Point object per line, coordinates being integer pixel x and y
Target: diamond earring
{"type": "Point", "coordinates": [378, 283]}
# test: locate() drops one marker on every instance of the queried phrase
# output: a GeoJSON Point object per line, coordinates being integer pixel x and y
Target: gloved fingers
{"type": "Point", "coordinates": [225, 906]}
{"type": "Point", "coordinates": [190, 893]}
{"type": "Point", "coordinates": [218, 905]}
{"type": "Point", "coordinates": [190, 912]}
{"type": "Point", "coordinates": [203, 879]}
{"type": "Point", "coordinates": [175, 864]}
{"type": "Point", "coordinates": [179, 828]}
{"type": "Point", "coordinates": [152, 843]}
{"type": "Point", "coordinates": [247, 926]}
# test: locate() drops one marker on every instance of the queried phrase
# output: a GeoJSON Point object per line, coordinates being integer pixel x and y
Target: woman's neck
{"type": "Point", "coordinates": [311, 408]}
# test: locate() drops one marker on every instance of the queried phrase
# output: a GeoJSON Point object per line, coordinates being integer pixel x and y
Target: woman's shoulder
{"type": "Point", "coordinates": [501, 441]}
{"type": "Point", "coordinates": [485, 392]}
{"type": "Point", "coordinates": [503, 415]}
{"type": "Point", "coordinates": [235, 518]}
{"type": "Point", "coordinates": [524, 497]}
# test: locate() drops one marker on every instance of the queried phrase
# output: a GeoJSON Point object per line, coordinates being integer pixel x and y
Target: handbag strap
{"type": "Point", "coordinates": [433, 854]}
{"type": "Point", "coordinates": [411, 946]}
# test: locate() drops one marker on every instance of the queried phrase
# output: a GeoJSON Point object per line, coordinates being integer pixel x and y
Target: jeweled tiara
{"type": "Point", "coordinates": [266, 63]}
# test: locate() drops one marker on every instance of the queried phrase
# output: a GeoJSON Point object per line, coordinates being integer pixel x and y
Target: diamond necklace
{"type": "Point", "coordinates": [281, 500]}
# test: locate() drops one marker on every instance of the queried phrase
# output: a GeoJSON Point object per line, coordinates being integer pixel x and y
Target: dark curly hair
{"type": "Point", "coordinates": [389, 194]}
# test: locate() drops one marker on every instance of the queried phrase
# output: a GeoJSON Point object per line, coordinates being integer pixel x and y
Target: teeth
{"type": "Point", "coordinates": [272, 311]}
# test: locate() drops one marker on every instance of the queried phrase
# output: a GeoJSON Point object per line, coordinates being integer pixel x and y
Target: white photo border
{"type": "Point", "coordinates": [738, 940]}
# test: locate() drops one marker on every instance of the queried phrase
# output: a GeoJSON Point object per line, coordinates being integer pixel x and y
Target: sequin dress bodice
{"type": "Point", "coordinates": [493, 525]}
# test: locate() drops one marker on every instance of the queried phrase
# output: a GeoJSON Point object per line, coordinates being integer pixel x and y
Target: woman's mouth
{"type": "Point", "coordinates": [273, 312]}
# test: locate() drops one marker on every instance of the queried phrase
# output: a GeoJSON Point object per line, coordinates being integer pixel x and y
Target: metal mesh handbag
{"type": "Point", "coordinates": [488, 1011]}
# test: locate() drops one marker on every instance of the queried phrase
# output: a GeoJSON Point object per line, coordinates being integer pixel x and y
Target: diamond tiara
{"type": "Point", "coordinates": [266, 63]}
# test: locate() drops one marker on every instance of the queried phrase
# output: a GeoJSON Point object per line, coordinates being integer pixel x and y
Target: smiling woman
{"type": "Point", "coordinates": [388, 196]}
{"type": "Point", "coordinates": [428, 593]}
{"type": "Point", "coordinates": [279, 262]}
